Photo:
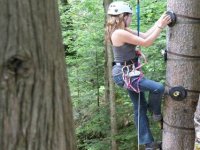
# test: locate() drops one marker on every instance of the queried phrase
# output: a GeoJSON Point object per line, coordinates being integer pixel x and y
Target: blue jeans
{"type": "Point", "coordinates": [156, 91]}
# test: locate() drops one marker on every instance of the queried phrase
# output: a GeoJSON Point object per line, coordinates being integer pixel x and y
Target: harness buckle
{"type": "Point", "coordinates": [133, 73]}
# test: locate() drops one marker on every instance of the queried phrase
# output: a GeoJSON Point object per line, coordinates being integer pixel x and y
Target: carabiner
{"type": "Point", "coordinates": [125, 70]}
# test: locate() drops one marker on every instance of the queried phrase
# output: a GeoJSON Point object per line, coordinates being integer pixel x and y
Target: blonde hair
{"type": "Point", "coordinates": [114, 22]}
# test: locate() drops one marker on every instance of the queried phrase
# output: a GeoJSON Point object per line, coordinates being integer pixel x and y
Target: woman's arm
{"type": "Point", "coordinates": [127, 37]}
{"type": "Point", "coordinates": [119, 37]}
{"type": "Point", "coordinates": [150, 31]}
{"type": "Point", "coordinates": [141, 34]}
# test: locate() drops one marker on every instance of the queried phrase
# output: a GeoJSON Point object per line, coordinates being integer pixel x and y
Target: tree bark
{"type": "Point", "coordinates": [110, 92]}
{"type": "Point", "coordinates": [183, 38]}
{"type": "Point", "coordinates": [35, 104]}
{"type": "Point", "coordinates": [197, 126]}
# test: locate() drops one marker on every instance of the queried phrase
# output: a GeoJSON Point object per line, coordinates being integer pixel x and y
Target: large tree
{"type": "Point", "coordinates": [183, 68]}
{"type": "Point", "coordinates": [109, 85]}
{"type": "Point", "coordinates": [35, 105]}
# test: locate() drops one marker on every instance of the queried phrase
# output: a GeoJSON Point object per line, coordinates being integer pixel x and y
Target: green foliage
{"type": "Point", "coordinates": [92, 129]}
{"type": "Point", "coordinates": [83, 35]}
{"type": "Point", "coordinates": [127, 138]}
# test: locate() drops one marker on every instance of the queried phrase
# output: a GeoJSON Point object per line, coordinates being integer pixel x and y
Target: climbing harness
{"type": "Point", "coordinates": [131, 76]}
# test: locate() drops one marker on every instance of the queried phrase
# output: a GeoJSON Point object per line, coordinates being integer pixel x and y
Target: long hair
{"type": "Point", "coordinates": [114, 22]}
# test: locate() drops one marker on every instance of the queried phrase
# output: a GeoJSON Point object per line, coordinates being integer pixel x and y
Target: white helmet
{"type": "Point", "coordinates": [119, 7]}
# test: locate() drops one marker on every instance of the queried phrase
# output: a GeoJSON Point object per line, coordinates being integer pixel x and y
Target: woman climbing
{"type": "Point", "coordinates": [126, 71]}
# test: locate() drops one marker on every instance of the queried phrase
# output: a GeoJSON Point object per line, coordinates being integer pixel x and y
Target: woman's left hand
{"type": "Point", "coordinates": [164, 20]}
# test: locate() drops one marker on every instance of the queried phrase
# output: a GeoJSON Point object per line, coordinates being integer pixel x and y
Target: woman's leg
{"type": "Point", "coordinates": [145, 135]}
{"type": "Point", "coordinates": [156, 91]}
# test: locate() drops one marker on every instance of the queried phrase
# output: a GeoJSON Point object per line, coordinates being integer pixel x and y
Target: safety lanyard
{"type": "Point", "coordinates": [138, 33]}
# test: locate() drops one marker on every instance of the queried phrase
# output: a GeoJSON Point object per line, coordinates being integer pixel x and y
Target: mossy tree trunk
{"type": "Point", "coordinates": [35, 105]}
{"type": "Point", "coordinates": [183, 38]}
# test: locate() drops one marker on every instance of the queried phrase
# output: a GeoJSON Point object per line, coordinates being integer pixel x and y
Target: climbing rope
{"type": "Point", "coordinates": [138, 31]}
{"type": "Point", "coordinates": [134, 76]}
{"type": "Point", "coordinates": [138, 120]}
{"type": "Point", "coordinates": [129, 77]}
{"type": "Point", "coordinates": [138, 17]}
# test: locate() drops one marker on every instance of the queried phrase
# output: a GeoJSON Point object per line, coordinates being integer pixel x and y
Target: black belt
{"type": "Point", "coordinates": [129, 62]}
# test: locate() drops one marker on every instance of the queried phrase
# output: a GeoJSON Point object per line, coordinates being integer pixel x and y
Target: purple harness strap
{"type": "Point", "coordinates": [127, 78]}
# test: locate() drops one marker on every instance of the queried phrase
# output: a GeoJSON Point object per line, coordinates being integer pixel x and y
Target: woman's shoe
{"type": "Point", "coordinates": [157, 117]}
{"type": "Point", "coordinates": [154, 146]}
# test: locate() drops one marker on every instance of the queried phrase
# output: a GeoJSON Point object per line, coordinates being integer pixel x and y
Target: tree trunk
{"type": "Point", "coordinates": [97, 80]}
{"type": "Point", "coordinates": [197, 126]}
{"type": "Point", "coordinates": [183, 38]}
{"type": "Point", "coordinates": [35, 105]}
{"type": "Point", "coordinates": [110, 85]}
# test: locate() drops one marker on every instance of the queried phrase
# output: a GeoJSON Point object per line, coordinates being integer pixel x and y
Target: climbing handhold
{"type": "Point", "coordinates": [173, 18]}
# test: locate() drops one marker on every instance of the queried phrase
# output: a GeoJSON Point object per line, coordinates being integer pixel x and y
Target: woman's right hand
{"type": "Point", "coordinates": [164, 20]}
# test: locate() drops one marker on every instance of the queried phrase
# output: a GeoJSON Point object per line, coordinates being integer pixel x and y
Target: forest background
{"type": "Point", "coordinates": [83, 29]}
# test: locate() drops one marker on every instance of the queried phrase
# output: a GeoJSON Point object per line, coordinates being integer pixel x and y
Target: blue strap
{"type": "Point", "coordinates": [138, 17]}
